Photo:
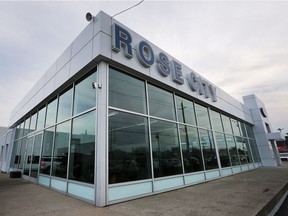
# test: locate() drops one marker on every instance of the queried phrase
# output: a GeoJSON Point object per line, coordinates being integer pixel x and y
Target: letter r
{"type": "Point", "coordinates": [121, 38]}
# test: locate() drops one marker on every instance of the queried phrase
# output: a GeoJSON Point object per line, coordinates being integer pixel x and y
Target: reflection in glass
{"type": "Point", "coordinates": [129, 152]}
{"type": "Point", "coordinates": [17, 132]}
{"type": "Point", "coordinates": [248, 150]}
{"type": "Point", "coordinates": [21, 130]}
{"type": "Point", "coordinates": [216, 121]}
{"type": "Point", "coordinates": [35, 156]}
{"type": "Point", "coordinates": [16, 153]}
{"type": "Point", "coordinates": [243, 130]}
{"type": "Point", "coordinates": [222, 150]}
{"type": "Point", "coordinates": [41, 118]}
{"type": "Point", "coordinates": [161, 103]}
{"type": "Point", "coordinates": [28, 155]}
{"type": "Point", "coordinates": [85, 95]}
{"type": "Point", "coordinates": [33, 122]}
{"type": "Point", "coordinates": [126, 92]}
{"type": "Point", "coordinates": [241, 148]}
{"type": "Point", "coordinates": [226, 124]}
{"type": "Point", "coordinates": [191, 150]}
{"type": "Point", "coordinates": [232, 150]}
{"type": "Point", "coordinates": [46, 155]}
{"type": "Point", "coordinates": [208, 148]}
{"type": "Point", "coordinates": [254, 150]}
{"type": "Point", "coordinates": [166, 149]}
{"type": "Point", "coordinates": [250, 131]}
{"type": "Point", "coordinates": [22, 153]}
{"type": "Point", "coordinates": [60, 153]}
{"type": "Point", "coordinates": [65, 105]}
{"type": "Point", "coordinates": [51, 113]}
{"type": "Point", "coordinates": [185, 111]}
{"type": "Point", "coordinates": [26, 127]}
{"type": "Point", "coordinates": [202, 116]}
{"type": "Point", "coordinates": [82, 154]}
{"type": "Point", "coordinates": [236, 127]}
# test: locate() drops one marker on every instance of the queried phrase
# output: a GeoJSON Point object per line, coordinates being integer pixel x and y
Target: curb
{"type": "Point", "coordinates": [275, 203]}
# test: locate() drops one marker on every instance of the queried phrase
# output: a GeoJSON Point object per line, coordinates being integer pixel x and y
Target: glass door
{"type": "Point", "coordinates": [28, 153]}
{"type": "Point", "coordinates": [32, 155]}
{"type": "Point", "coordinates": [35, 157]}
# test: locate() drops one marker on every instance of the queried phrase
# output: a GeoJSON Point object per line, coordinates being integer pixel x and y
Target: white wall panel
{"type": "Point", "coordinates": [83, 38]}
{"type": "Point", "coordinates": [81, 59]}
{"type": "Point", "coordinates": [64, 58]}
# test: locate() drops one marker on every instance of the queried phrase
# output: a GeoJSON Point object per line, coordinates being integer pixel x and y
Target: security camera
{"type": "Point", "coordinates": [89, 16]}
{"type": "Point", "coordinates": [94, 85]}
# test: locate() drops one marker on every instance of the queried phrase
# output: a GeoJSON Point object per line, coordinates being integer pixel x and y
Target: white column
{"type": "Point", "coordinates": [101, 163]}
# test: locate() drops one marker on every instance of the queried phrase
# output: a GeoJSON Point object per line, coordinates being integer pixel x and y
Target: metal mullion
{"type": "Point", "coordinates": [214, 140]}
{"type": "Point", "coordinates": [68, 158]}
{"type": "Point", "coordinates": [150, 136]}
{"type": "Point", "coordinates": [179, 135]}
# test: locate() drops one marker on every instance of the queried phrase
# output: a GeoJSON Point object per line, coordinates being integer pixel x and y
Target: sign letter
{"type": "Point", "coordinates": [176, 70]}
{"type": "Point", "coordinates": [163, 64]}
{"type": "Point", "coordinates": [145, 54]}
{"type": "Point", "coordinates": [121, 37]}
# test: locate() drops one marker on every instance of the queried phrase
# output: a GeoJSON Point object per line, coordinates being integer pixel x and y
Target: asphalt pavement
{"type": "Point", "coordinates": [252, 193]}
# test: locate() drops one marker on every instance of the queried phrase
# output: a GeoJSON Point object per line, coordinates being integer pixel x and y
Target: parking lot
{"type": "Point", "coordinates": [255, 192]}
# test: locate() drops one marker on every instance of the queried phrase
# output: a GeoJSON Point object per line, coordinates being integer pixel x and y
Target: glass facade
{"type": "Point", "coordinates": [53, 142]}
{"type": "Point", "coordinates": [152, 133]}
{"type": "Point", "coordinates": [174, 135]}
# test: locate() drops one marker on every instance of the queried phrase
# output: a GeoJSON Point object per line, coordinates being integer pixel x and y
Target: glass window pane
{"type": "Point", "coordinates": [236, 127]}
{"type": "Point", "coordinates": [161, 103]}
{"type": "Point", "coordinates": [242, 151]}
{"type": "Point", "coordinates": [21, 129]}
{"type": "Point", "coordinates": [249, 130]}
{"type": "Point", "coordinates": [129, 152]}
{"type": "Point", "coordinates": [16, 158]}
{"type": "Point", "coordinates": [226, 124]}
{"type": "Point", "coordinates": [185, 111]}
{"type": "Point", "coordinates": [232, 150]}
{"type": "Point", "coordinates": [28, 154]}
{"type": "Point", "coordinates": [82, 153]}
{"type": "Point", "coordinates": [126, 92]}
{"type": "Point", "coordinates": [65, 105]}
{"type": "Point", "coordinates": [17, 132]}
{"type": "Point", "coordinates": [85, 95]}
{"type": "Point", "coordinates": [208, 148]}
{"type": "Point", "coordinates": [33, 122]}
{"type": "Point", "coordinates": [248, 150]}
{"type": "Point", "coordinates": [51, 113]}
{"type": "Point", "coordinates": [191, 150]}
{"type": "Point", "coordinates": [41, 118]}
{"type": "Point", "coordinates": [60, 154]}
{"type": "Point", "coordinates": [216, 121]}
{"type": "Point", "coordinates": [222, 150]}
{"type": "Point", "coordinates": [36, 156]}
{"type": "Point", "coordinates": [202, 116]}
{"type": "Point", "coordinates": [254, 150]}
{"type": "Point", "coordinates": [47, 151]}
{"type": "Point", "coordinates": [26, 127]}
{"type": "Point", "coordinates": [243, 129]}
{"type": "Point", "coordinates": [166, 149]}
{"type": "Point", "coordinates": [22, 153]}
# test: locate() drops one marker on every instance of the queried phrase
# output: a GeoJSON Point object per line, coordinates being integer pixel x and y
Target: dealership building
{"type": "Point", "coordinates": [117, 118]}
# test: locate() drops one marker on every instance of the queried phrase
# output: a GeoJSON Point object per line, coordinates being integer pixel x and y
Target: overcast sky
{"type": "Point", "coordinates": [240, 46]}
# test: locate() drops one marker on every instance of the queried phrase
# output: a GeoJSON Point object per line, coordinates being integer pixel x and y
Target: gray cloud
{"type": "Point", "coordinates": [240, 46]}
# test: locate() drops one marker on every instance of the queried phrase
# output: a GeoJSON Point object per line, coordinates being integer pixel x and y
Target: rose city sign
{"type": "Point", "coordinates": [145, 55]}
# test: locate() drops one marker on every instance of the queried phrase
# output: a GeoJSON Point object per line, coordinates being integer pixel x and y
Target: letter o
{"type": "Point", "coordinates": [145, 54]}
